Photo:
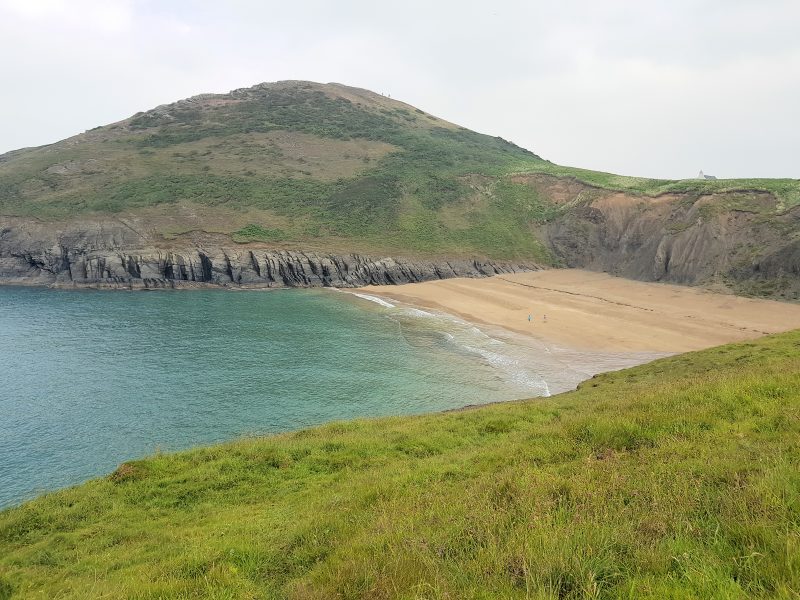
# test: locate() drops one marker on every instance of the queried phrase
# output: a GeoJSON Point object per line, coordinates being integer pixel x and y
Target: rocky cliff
{"type": "Point", "coordinates": [108, 254]}
{"type": "Point", "coordinates": [738, 240]}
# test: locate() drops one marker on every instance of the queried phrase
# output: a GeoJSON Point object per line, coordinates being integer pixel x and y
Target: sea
{"type": "Point", "coordinates": [90, 378]}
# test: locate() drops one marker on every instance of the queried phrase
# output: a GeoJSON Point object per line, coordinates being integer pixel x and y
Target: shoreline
{"type": "Point", "coordinates": [587, 311]}
{"type": "Point", "coordinates": [539, 368]}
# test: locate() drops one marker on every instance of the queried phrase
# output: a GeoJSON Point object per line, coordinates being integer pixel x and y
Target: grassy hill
{"type": "Point", "coordinates": [329, 166]}
{"type": "Point", "coordinates": [676, 479]}
{"type": "Point", "coordinates": [303, 160]}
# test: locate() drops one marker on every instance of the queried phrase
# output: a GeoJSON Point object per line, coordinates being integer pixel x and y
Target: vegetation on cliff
{"type": "Point", "coordinates": [311, 161]}
{"type": "Point", "coordinates": [676, 479]}
{"type": "Point", "coordinates": [330, 166]}
{"type": "Point", "coordinates": [786, 192]}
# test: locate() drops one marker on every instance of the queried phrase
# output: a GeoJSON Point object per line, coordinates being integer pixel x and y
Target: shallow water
{"type": "Point", "coordinates": [89, 379]}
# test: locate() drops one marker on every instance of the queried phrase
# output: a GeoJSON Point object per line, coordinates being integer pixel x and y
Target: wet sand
{"type": "Point", "coordinates": [591, 311]}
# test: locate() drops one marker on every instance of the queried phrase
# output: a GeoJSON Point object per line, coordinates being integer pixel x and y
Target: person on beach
{"type": "Point", "coordinates": [529, 318]}
{"type": "Point", "coordinates": [544, 318]}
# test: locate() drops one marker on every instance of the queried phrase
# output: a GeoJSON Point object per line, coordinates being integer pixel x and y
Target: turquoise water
{"type": "Point", "coordinates": [89, 379]}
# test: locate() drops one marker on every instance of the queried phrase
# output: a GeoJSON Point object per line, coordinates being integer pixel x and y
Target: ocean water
{"type": "Point", "coordinates": [90, 379]}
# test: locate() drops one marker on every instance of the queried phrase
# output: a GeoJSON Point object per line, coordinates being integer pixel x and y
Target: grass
{"type": "Point", "coordinates": [785, 191]}
{"type": "Point", "coordinates": [256, 233]}
{"type": "Point", "coordinates": [676, 479]}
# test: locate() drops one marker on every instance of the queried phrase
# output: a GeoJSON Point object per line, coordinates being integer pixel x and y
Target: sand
{"type": "Point", "coordinates": [597, 312]}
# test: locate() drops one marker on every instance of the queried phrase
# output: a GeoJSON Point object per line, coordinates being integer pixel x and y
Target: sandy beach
{"type": "Point", "coordinates": [597, 312]}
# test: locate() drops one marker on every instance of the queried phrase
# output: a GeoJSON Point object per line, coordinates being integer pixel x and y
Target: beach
{"type": "Point", "coordinates": [590, 311]}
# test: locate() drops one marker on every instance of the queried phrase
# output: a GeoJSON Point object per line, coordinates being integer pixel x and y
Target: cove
{"type": "Point", "coordinates": [90, 379]}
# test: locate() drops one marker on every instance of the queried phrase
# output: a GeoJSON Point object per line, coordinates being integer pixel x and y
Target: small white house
{"type": "Point", "coordinates": [704, 176]}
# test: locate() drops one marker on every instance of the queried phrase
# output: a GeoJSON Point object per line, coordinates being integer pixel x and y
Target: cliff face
{"type": "Point", "coordinates": [113, 255]}
{"type": "Point", "coordinates": [735, 240]}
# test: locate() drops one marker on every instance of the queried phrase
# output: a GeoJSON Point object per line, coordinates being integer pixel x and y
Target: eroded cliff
{"type": "Point", "coordinates": [739, 240]}
{"type": "Point", "coordinates": [111, 254]}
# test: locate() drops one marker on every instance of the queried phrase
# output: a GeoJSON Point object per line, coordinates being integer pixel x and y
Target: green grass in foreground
{"type": "Point", "coordinates": [677, 479]}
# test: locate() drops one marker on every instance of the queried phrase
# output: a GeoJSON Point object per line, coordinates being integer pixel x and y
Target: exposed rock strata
{"type": "Point", "coordinates": [100, 256]}
{"type": "Point", "coordinates": [740, 240]}
{"type": "Point", "coordinates": [683, 239]}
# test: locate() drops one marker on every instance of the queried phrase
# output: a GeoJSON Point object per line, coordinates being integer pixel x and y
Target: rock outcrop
{"type": "Point", "coordinates": [735, 240]}
{"type": "Point", "coordinates": [106, 255]}
{"type": "Point", "coordinates": [742, 240]}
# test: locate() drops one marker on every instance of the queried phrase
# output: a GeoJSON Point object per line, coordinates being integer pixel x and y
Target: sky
{"type": "Point", "coordinates": [654, 88]}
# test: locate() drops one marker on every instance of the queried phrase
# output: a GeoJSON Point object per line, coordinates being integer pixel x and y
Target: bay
{"type": "Point", "coordinates": [90, 379]}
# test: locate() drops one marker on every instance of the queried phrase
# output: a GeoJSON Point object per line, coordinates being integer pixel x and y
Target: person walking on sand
{"type": "Point", "coordinates": [529, 318]}
{"type": "Point", "coordinates": [544, 318]}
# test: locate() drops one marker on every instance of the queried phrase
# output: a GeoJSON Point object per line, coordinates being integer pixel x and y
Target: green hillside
{"type": "Point", "coordinates": [305, 161]}
{"type": "Point", "coordinates": [676, 479]}
{"type": "Point", "coordinates": [327, 166]}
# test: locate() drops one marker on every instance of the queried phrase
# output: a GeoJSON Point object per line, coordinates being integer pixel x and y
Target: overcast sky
{"type": "Point", "coordinates": [639, 87]}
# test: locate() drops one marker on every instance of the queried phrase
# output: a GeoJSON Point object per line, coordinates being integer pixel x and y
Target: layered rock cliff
{"type": "Point", "coordinates": [738, 240]}
{"type": "Point", "coordinates": [108, 254]}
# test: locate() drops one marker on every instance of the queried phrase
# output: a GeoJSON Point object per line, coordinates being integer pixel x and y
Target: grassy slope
{"type": "Point", "coordinates": [315, 162]}
{"type": "Point", "coordinates": [677, 479]}
{"type": "Point", "coordinates": [326, 161]}
{"type": "Point", "coordinates": [786, 191]}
